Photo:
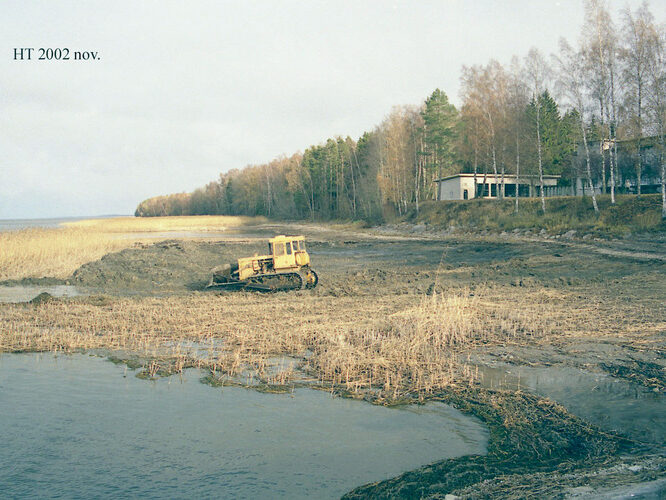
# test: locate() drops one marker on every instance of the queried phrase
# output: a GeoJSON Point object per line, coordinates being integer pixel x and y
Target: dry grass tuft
{"type": "Point", "coordinates": [464, 318]}
{"type": "Point", "coordinates": [420, 348]}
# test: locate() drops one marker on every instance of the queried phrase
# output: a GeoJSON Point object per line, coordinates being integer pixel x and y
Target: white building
{"type": "Point", "coordinates": [463, 186]}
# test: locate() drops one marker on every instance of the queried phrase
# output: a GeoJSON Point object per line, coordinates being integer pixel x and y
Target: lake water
{"type": "Point", "coordinates": [17, 224]}
{"type": "Point", "coordinates": [25, 293]}
{"type": "Point", "coordinates": [79, 427]}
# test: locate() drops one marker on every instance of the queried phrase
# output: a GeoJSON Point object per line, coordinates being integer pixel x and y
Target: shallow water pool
{"type": "Point", "coordinates": [79, 426]}
{"type": "Point", "coordinates": [25, 293]}
{"type": "Point", "coordinates": [610, 403]}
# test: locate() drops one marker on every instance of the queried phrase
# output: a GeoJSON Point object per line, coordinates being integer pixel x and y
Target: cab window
{"type": "Point", "coordinates": [288, 248]}
{"type": "Point", "coordinates": [301, 246]}
{"type": "Point", "coordinates": [297, 245]}
{"type": "Point", "coordinates": [270, 248]}
{"type": "Point", "coordinates": [278, 248]}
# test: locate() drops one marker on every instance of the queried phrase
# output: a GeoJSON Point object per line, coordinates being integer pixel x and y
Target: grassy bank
{"type": "Point", "coordinates": [631, 214]}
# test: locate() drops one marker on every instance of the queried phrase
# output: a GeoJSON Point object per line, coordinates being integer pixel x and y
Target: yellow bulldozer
{"type": "Point", "coordinates": [285, 267]}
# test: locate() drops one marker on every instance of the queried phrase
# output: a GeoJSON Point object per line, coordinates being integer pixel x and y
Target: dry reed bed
{"type": "Point", "coordinates": [355, 342]}
{"type": "Point", "coordinates": [35, 253]}
{"type": "Point", "coordinates": [58, 252]}
{"type": "Point", "coordinates": [349, 341]}
{"type": "Point", "coordinates": [202, 223]}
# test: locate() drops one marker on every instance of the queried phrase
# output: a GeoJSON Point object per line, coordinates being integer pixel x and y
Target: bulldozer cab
{"type": "Point", "coordinates": [288, 252]}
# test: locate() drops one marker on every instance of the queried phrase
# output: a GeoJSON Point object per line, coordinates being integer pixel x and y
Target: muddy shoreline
{"type": "Point", "coordinates": [603, 301]}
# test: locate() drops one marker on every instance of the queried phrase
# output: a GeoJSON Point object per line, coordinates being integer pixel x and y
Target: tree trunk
{"type": "Point", "coordinates": [612, 127]}
{"type": "Point", "coordinates": [417, 177]}
{"type": "Point", "coordinates": [485, 179]}
{"type": "Point", "coordinates": [601, 144]}
{"type": "Point", "coordinates": [639, 169]}
{"type": "Point", "coordinates": [662, 152]}
{"type": "Point", "coordinates": [589, 169]}
{"type": "Point", "coordinates": [603, 171]}
{"type": "Point", "coordinates": [617, 168]}
{"type": "Point", "coordinates": [574, 176]}
{"type": "Point", "coordinates": [495, 172]}
{"type": "Point", "coordinates": [501, 191]}
{"type": "Point", "coordinates": [351, 165]}
{"type": "Point", "coordinates": [517, 170]}
{"type": "Point", "coordinates": [612, 175]}
{"type": "Point", "coordinates": [269, 195]}
{"type": "Point", "coordinates": [476, 166]}
{"type": "Point", "coordinates": [639, 159]}
{"type": "Point", "coordinates": [492, 139]}
{"type": "Point", "coordinates": [663, 182]}
{"type": "Point", "coordinates": [538, 131]}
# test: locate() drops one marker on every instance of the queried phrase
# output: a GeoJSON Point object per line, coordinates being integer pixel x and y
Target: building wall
{"type": "Point", "coordinates": [454, 188]}
{"type": "Point", "coordinates": [450, 189]}
{"type": "Point", "coordinates": [468, 184]}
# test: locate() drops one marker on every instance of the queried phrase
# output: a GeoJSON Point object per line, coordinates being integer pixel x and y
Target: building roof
{"type": "Point", "coordinates": [506, 176]}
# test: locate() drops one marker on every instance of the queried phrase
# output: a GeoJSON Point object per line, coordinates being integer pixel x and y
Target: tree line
{"type": "Point", "coordinates": [594, 112]}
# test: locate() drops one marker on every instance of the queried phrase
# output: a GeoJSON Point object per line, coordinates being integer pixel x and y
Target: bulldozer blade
{"type": "Point", "coordinates": [229, 285]}
{"type": "Point", "coordinates": [258, 287]}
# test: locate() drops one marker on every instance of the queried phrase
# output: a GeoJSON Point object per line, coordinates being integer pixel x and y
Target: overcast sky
{"type": "Point", "coordinates": [183, 91]}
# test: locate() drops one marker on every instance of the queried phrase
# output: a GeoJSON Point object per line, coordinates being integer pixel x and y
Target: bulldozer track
{"type": "Point", "coordinates": [275, 282]}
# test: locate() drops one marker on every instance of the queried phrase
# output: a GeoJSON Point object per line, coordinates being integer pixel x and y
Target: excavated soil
{"type": "Point", "coordinates": [367, 266]}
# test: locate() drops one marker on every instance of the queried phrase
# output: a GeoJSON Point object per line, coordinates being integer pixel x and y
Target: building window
{"type": "Point", "coordinates": [465, 194]}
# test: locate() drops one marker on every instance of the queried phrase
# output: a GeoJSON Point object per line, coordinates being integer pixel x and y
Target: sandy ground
{"type": "Point", "coordinates": [605, 301]}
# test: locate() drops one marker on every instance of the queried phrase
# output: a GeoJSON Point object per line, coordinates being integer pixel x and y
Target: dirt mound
{"type": "Point", "coordinates": [165, 266]}
{"type": "Point", "coordinates": [41, 298]}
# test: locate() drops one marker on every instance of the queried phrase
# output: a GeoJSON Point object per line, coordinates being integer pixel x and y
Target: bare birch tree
{"type": "Point", "coordinates": [600, 45]}
{"type": "Point", "coordinates": [469, 141]}
{"type": "Point", "coordinates": [485, 96]}
{"type": "Point", "coordinates": [400, 167]}
{"type": "Point", "coordinates": [517, 103]}
{"type": "Point", "coordinates": [537, 72]}
{"type": "Point", "coordinates": [656, 100]}
{"type": "Point", "coordinates": [639, 31]}
{"type": "Point", "coordinates": [571, 82]}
